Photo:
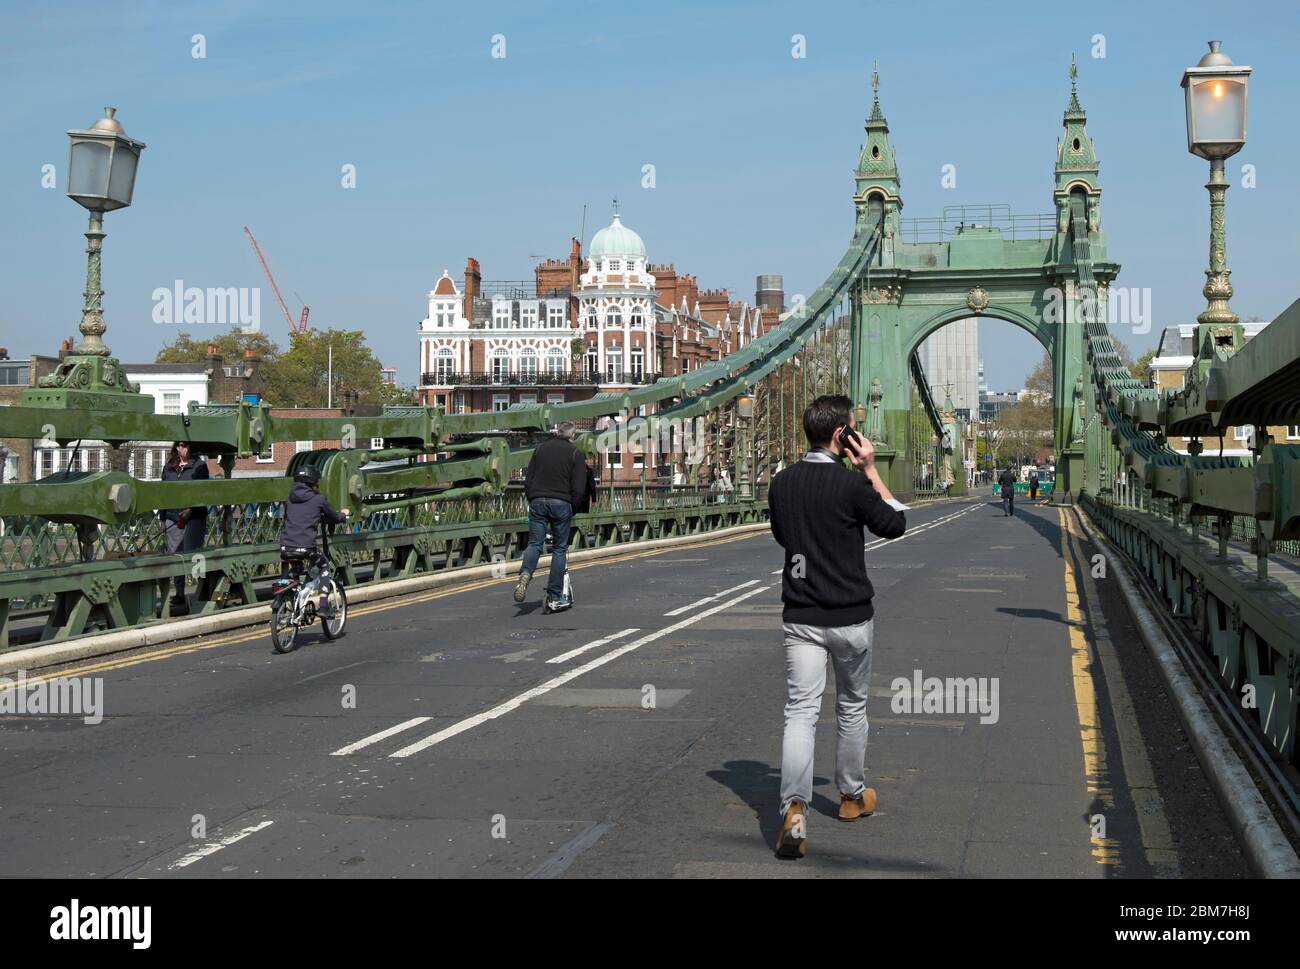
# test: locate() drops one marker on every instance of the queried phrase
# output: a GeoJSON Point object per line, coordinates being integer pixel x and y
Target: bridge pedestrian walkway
{"type": "Point", "coordinates": [455, 734]}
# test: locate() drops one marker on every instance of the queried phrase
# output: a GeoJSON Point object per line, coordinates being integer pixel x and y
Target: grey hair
{"type": "Point", "coordinates": [566, 430]}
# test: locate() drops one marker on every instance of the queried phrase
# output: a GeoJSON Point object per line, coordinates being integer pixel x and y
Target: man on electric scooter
{"type": "Point", "coordinates": [555, 485]}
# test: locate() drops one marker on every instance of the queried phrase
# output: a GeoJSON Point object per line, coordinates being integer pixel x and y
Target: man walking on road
{"type": "Point", "coordinates": [555, 483]}
{"type": "Point", "coordinates": [1007, 488]}
{"type": "Point", "coordinates": [818, 510]}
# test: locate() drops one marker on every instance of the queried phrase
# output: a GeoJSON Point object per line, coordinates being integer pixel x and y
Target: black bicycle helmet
{"type": "Point", "coordinates": [308, 474]}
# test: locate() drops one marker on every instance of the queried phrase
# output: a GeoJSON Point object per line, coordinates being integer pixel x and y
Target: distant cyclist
{"type": "Point", "coordinates": [303, 513]}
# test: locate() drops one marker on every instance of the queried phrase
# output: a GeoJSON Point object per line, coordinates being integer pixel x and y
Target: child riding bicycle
{"type": "Point", "coordinates": [304, 511]}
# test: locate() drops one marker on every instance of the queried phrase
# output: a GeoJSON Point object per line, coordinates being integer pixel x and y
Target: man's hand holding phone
{"type": "Point", "coordinates": [858, 449]}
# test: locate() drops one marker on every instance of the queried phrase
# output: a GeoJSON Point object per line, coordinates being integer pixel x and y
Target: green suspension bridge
{"type": "Point", "coordinates": [1211, 540]}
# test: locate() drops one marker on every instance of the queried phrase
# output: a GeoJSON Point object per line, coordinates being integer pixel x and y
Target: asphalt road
{"type": "Point", "coordinates": [456, 734]}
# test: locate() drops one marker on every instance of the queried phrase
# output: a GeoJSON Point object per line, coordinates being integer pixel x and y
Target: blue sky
{"type": "Point", "coordinates": [458, 153]}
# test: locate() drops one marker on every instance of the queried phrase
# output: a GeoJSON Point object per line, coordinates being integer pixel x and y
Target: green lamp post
{"type": "Point", "coordinates": [1215, 91]}
{"type": "Point", "coordinates": [102, 164]}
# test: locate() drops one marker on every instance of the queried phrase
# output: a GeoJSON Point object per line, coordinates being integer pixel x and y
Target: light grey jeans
{"type": "Point", "coordinates": [806, 651]}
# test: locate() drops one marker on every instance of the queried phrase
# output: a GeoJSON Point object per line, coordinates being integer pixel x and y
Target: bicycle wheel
{"type": "Point", "coordinates": [284, 631]}
{"type": "Point", "coordinates": [338, 602]}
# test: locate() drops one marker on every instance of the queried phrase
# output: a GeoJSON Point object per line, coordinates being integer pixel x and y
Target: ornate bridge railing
{"type": "Point", "coordinates": [1155, 502]}
{"type": "Point", "coordinates": [82, 552]}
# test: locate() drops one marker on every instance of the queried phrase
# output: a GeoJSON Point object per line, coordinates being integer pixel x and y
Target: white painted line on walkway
{"type": "Point", "coordinates": [212, 847]}
{"type": "Point", "coordinates": [573, 674]}
{"type": "Point", "coordinates": [593, 644]}
{"type": "Point", "coordinates": [374, 738]}
{"type": "Point", "coordinates": [919, 528]}
{"type": "Point", "coordinates": [707, 599]}
{"type": "Point", "coordinates": [911, 531]}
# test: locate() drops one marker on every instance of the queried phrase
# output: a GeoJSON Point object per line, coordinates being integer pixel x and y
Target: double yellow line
{"type": "Point", "coordinates": [396, 602]}
{"type": "Point", "coordinates": [1105, 850]}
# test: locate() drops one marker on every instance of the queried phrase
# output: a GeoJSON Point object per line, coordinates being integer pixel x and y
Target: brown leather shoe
{"type": "Point", "coordinates": [794, 832]}
{"type": "Point", "coordinates": [853, 808]}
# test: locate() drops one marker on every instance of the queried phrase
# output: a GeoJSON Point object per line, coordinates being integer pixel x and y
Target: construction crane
{"type": "Point", "coordinates": [301, 325]}
{"type": "Point", "coordinates": [302, 319]}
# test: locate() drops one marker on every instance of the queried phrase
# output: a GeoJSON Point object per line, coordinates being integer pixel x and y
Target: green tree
{"type": "Point", "coordinates": [1139, 367]}
{"type": "Point", "coordinates": [1026, 427]}
{"type": "Point", "coordinates": [1041, 381]}
{"type": "Point", "coordinates": [186, 349]}
{"type": "Point", "coordinates": [301, 374]}
{"type": "Point", "coordinates": [297, 377]}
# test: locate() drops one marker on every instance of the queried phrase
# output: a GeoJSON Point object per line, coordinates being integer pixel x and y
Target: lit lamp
{"type": "Point", "coordinates": [1216, 130]}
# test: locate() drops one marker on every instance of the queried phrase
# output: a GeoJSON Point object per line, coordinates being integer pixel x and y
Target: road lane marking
{"type": "Point", "coordinates": [337, 669]}
{"type": "Point", "coordinates": [1095, 772]}
{"type": "Point", "coordinates": [919, 528]}
{"type": "Point", "coordinates": [199, 642]}
{"type": "Point", "coordinates": [707, 599]}
{"type": "Point", "coordinates": [374, 738]}
{"type": "Point", "coordinates": [911, 531]}
{"type": "Point", "coordinates": [513, 704]}
{"type": "Point", "coordinates": [1157, 839]}
{"type": "Point", "coordinates": [212, 847]}
{"type": "Point", "coordinates": [593, 644]}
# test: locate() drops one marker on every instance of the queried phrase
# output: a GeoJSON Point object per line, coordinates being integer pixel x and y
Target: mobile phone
{"type": "Point", "coordinates": [848, 434]}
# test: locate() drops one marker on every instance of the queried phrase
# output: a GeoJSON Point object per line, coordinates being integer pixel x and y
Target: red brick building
{"type": "Point", "coordinates": [605, 322]}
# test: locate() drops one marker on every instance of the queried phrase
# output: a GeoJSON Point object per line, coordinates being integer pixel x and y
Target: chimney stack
{"type": "Point", "coordinates": [473, 286]}
{"type": "Point", "coordinates": [770, 293]}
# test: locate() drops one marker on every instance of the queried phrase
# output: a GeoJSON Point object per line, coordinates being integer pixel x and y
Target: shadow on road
{"type": "Point", "coordinates": [1047, 614]}
{"type": "Point", "coordinates": [759, 785]}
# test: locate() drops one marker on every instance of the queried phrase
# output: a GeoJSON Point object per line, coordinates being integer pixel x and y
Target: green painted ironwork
{"type": "Point", "coordinates": [83, 552]}
{"type": "Point", "coordinates": [978, 265]}
{"type": "Point", "coordinates": [1153, 501]}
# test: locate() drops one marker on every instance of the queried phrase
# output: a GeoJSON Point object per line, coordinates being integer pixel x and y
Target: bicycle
{"type": "Point", "coordinates": [309, 592]}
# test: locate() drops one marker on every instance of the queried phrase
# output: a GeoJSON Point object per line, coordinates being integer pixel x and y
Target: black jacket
{"type": "Point", "coordinates": [818, 511]}
{"type": "Point", "coordinates": [557, 470]}
{"type": "Point", "coordinates": [304, 510]}
{"type": "Point", "coordinates": [195, 469]}
{"type": "Point", "coordinates": [1007, 483]}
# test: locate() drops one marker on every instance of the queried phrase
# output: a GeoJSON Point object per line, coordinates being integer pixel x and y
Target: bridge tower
{"type": "Point", "coordinates": [1020, 269]}
{"type": "Point", "coordinates": [1076, 173]}
{"type": "Point", "coordinates": [875, 386]}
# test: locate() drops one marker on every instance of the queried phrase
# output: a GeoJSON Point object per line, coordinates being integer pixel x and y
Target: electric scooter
{"type": "Point", "coordinates": [548, 607]}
